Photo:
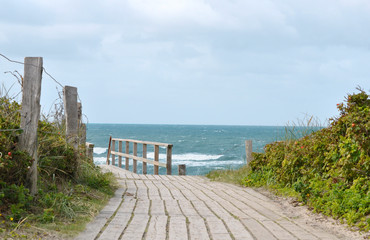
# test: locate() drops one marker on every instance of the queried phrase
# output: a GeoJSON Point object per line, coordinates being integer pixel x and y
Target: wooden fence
{"type": "Point", "coordinates": [112, 151]}
{"type": "Point", "coordinates": [30, 115]}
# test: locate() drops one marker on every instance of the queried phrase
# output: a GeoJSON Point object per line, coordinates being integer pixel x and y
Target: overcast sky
{"type": "Point", "coordinates": [242, 62]}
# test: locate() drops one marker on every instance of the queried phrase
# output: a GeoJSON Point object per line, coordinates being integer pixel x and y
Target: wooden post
{"type": "Point", "coordinates": [169, 160]}
{"type": "Point", "coordinates": [156, 158]}
{"type": "Point", "coordinates": [71, 114]}
{"type": "Point", "coordinates": [79, 114]}
{"type": "Point", "coordinates": [120, 157]}
{"type": "Point", "coordinates": [30, 115]}
{"type": "Point", "coordinates": [127, 163]}
{"type": "Point", "coordinates": [144, 156]}
{"type": "Point", "coordinates": [134, 165]}
{"type": "Point", "coordinates": [113, 147]}
{"type": "Point", "coordinates": [109, 147]}
{"type": "Point", "coordinates": [182, 169]}
{"type": "Point", "coordinates": [90, 151]}
{"type": "Point", "coordinates": [80, 126]}
{"type": "Point", "coordinates": [82, 135]}
{"type": "Point", "coordinates": [248, 151]}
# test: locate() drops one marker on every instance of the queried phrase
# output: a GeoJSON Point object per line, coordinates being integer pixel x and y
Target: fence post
{"type": "Point", "coordinates": [30, 115]}
{"type": "Point", "coordinates": [248, 151]}
{"type": "Point", "coordinates": [109, 149]}
{"type": "Point", "coordinates": [90, 151]}
{"type": "Point", "coordinates": [127, 160]}
{"type": "Point", "coordinates": [134, 162]}
{"type": "Point", "coordinates": [113, 148]}
{"type": "Point", "coordinates": [182, 169]}
{"type": "Point", "coordinates": [144, 156]}
{"type": "Point", "coordinates": [120, 150]}
{"type": "Point", "coordinates": [81, 126]}
{"type": "Point", "coordinates": [156, 159]}
{"type": "Point", "coordinates": [169, 160]}
{"type": "Point", "coordinates": [71, 113]}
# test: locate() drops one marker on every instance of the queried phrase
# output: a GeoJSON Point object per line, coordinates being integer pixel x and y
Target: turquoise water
{"type": "Point", "coordinates": [201, 147]}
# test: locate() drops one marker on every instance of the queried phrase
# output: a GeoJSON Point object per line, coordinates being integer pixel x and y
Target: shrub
{"type": "Point", "coordinates": [329, 168]}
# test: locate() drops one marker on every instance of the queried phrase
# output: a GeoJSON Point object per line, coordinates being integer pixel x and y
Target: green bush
{"type": "Point", "coordinates": [329, 169]}
{"type": "Point", "coordinates": [65, 178]}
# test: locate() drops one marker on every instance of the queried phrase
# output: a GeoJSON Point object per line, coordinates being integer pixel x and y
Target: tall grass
{"type": "Point", "coordinates": [301, 127]}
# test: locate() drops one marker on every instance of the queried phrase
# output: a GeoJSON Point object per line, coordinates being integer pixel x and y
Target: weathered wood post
{"type": "Point", "coordinates": [169, 160]}
{"type": "Point", "coordinates": [145, 146]}
{"type": "Point", "coordinates": [156, 159]}
{"type": "Point", "coordinates": [30, 115]}
{"type": "Point", "coordinates": [182, 169]}
{"type": "Point", "coordinates": [127, 160]}
{"type": "Point", "coordinates": [109, 150]}
{"type": "Point", "coordinates": [71, 114]}
{"type": "Point", "coordinates": [113, 148]}
{"type": "Point", "coordinates": [120, 157]}
{"type": "Point", "coordinates": [248, 151]}
{"type": "Point", "coordinates": [90, 151]}
{"type": "Point", "coordinates": [134, 163]}
{"type": "Point", "coordinates": [81, 126]}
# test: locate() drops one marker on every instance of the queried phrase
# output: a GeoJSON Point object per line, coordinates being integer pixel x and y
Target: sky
{"type": "Point", "coordinates": [221, 62]}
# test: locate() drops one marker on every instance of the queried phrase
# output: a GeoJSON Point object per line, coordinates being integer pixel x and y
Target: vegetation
{"type": "Point", "coordinates": [71, 189]}
{"type": "Point", "coordinates": [329, 170]}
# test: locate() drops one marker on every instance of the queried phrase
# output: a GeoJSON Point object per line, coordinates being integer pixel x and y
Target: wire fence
{"type": "Point", "coordinates": [12, 87]}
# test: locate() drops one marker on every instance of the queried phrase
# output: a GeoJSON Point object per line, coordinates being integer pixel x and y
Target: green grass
{"type": "Point", "coordinates": [71, 189]}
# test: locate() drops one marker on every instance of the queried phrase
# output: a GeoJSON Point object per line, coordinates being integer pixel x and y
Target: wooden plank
{"type": "Point", "coordinates": [144, 156]}
{"type": "Point", "coordinates": [238, 230]}
{"type": "Point", "coordinates": [136, 228]}
{"type": "Point", "coordinates": [109, 149]}
{"type": "Point", "coordinates": [259, 231]}
{"type": "Point", "coordinates": [134, 166]}
{"type": "Point", "coordinates": [112, 152]}
{"type": "Point", "coordinates": [120, 157]}
{"type": "Point", "coordinates": [92, 229]}
{"type": "Point", "coordinates": [172, 207]}
{"type": "Point", "coordinates": [139, 159]}
{"type": "Point", "coordinates": [217, 229]}
{"type": "Point", "coordinates": [156, 158]}
{"type": "Point", "coordinates": [169, 160]}
{"type": "Point", "coordinates": [30, 115]}
{"type": "Point", "coordinates": [120, 220]}
{"type": "Point", "coordinates": [157, 228]}
{"type": "Point", "coordinates": [142, 142]}
{"type": "Point", "coordinates": [177, 228]}
{"type": "Point", "coordinates": [157, 207]}
{"type": "Point", "coordinates": [127, 164]}
{"type": "Point", "coordinates": [186, 207]}
{"type": "Point", "coordinates": [197, 229]}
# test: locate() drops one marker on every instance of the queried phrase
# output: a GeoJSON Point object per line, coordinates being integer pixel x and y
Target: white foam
{"type": "Point", "coordinates": [188, 162]}
{"type": "Point", "coordinates": [211, 163]}
{"type": "Point", "coordinates": [187, 156]}
{"type": "Point", "coordinates": [100, 150]}
{"type": "Point", "coordinates": [100, 160]}
{"type": "Point", "coordinates": [195, 157]}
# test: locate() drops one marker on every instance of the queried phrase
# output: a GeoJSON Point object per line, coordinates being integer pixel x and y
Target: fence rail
{"type": "Point", "coordinates": [112, 151]}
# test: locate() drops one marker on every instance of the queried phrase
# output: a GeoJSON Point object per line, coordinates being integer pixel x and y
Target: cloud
{"type": "Point", "coordinates": [228, 54]}
{"type": "Point", "coordinates": [181, 12]}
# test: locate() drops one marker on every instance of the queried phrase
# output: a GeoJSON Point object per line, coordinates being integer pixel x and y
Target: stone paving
{"type": "Point", "coordinates": [192, 207]}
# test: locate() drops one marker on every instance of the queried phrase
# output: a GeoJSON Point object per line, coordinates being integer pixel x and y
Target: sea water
{"type": "Point", "coordinates": [201, 147]}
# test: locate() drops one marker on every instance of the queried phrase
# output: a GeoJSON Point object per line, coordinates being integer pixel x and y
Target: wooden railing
{"type": "Point", "coordinates": [112, 151]}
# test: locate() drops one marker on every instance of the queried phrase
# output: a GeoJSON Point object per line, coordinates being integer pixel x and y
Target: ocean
{"type": "Point", "coordinates": [202, 148]}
